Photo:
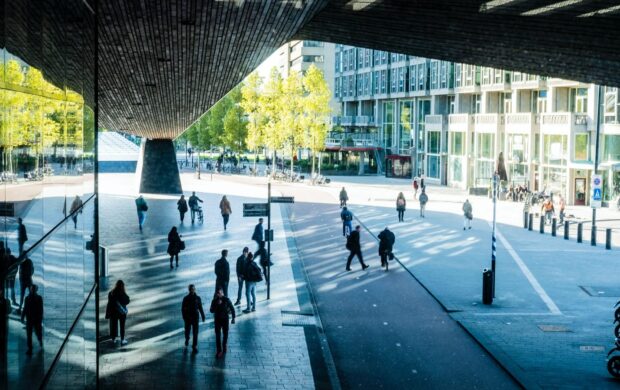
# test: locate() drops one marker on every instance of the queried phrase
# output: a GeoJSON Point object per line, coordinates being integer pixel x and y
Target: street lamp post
{"type": "Point", "coordinates": [493, 240]}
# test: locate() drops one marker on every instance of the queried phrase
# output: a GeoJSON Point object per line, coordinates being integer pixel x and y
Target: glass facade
{"type": "Point", "coordinates": [485, 158]}
{"type": "Point", "coordinates": [517, 158]}
{"type": "Point", "coordinates": [47, 144]}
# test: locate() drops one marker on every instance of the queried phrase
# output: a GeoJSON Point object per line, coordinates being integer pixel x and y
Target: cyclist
{"type": "Point", "coordinates": [193, 204]}
{"type": "Point", "coordinates": [347, 217]}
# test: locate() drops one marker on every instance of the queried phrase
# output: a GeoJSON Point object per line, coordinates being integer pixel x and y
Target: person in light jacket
{"type": "Point", "coordinates": [225, 210]}
{"type": "Point", "coordinates": [467, 214]}
{"type": "Point", "coordinates": [401, 205]}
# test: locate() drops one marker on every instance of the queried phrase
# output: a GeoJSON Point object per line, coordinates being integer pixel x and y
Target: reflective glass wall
{"type": "Point", "coordinates": [47, 138]}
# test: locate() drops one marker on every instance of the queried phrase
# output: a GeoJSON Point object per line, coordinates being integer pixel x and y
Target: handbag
{"type": "Point", "coordinates": [122, 310]}
{"type": "Point", "coordinates": [181, 245]}
{"type": "Point", "coordinates": [391, 256]}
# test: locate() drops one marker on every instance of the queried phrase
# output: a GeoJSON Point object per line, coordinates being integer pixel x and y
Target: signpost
{"type": "Point", "coordinates": [264, 210]}
{"type": "Point", "coordinates": [597, 191]}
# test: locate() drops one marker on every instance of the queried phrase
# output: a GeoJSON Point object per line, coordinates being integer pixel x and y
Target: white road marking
{"type": "Point", "coordinates": [517, 314]}
{"type": "Point", "coordinates": [528, 274]}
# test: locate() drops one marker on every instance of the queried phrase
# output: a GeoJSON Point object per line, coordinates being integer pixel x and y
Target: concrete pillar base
{"type": "Point", "coordinates": [158, 169]}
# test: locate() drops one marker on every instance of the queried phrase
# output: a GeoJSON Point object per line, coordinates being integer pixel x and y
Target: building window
{"type": "Point", "coordinates": [384, 81]}
{"type": "Point", "coordinates": [611, 147]}
{"type": "Point", "coordinates": [579, 100]}
{"type": "Point", "coordinates": [412, 78]}
{"type": "Point", "coordinates": [451, 104]}
{"type": "Point", "coordinates": [393, 80]}
{"type": "Point", "coordinates": [405, 125]}
{"type": "Point", "coordinates": [388, 124]}
{"type": "Point", "coordinates": [376, 81]}
{"type": "Point", "coordinates": [421, 77]}
{"type": "Point", "coordinates": [313, 44]}
{"type": "Point", "coordinates": [581, 147]}
{"type": "Point", "coordinates": [313, 58]}
{"type": "Point", "coordinates": [457, 144]}
{"type": "Point", "coordinates": [612, 105]}
{"type": "Point", "coordinates": [554, 149]}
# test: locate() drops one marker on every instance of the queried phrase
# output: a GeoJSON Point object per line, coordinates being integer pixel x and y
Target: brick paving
{"type": "Point", "coordinates": [262, 352]}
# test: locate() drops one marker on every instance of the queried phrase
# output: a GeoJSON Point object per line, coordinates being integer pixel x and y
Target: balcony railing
{"type": "Point", "coordinates": [350, 139]}
{"type": "Point", "coordinates": [434, 122]}
{"type": "Point", "coordinates": [347, 120]}
{"type": "Point", "coordinates": [523, 122]}
{"type": "Point", "coordinates": [365, 120]}
{"type": "Point", "coordinates": [454, 119]}
{"type": "Point", "coordinates": [565, 120]}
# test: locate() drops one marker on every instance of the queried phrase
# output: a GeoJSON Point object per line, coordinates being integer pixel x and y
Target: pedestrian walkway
{"type": "Point", "coordinates": [262, 353]}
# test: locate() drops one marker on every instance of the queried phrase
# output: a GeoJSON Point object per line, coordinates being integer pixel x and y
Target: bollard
{"type": "Point", "coordinates": [580, 232]}
{"type": "Point", "coordinates": [554, 226]}
{"type": "Point", "coordinates": [593, 236]}
{"type": "Point", "coordinates": [608, 238]}
{"type": "Point", "coordinates": [542, 224]}
{"type": "Point", "coordinates": [525, 219]}
{"type": "Point", "coordinates": [566, 225]}
{"type": "Point", "coordinates": [531, 225]}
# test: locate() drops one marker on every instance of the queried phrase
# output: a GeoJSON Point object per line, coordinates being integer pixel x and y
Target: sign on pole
{"type": "Point", "coordinates": [282, 199]}
{"type": "Point", "coordinates": [597, 191]}
{"type": "Point", "coordinates": [255, 209]}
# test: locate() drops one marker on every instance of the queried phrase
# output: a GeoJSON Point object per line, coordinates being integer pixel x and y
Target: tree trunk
{"type": "Point", "coordinates": [313, 159]}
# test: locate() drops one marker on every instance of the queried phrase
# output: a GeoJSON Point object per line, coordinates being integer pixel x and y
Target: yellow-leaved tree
{"type": "Point", "coordinates": [316, 110]}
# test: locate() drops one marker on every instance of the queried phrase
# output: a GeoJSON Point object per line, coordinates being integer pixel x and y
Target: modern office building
{"type": "Point", "coordinates": [453, 122]}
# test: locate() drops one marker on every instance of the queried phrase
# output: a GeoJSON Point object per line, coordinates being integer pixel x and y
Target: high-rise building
{"type": "Point", "coordinates": [454, 122]}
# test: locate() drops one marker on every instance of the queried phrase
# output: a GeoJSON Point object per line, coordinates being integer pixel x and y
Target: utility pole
{"type": "Point", "coordinates": [596, 147]}
{"type": "Point", "coordinates": [268, 240]}
{"type": "Point", "coordinates": [493, 240]}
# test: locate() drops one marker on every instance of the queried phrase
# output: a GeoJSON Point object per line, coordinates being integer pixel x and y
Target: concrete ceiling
{"type": "Point", "coordinates": [164, 63]}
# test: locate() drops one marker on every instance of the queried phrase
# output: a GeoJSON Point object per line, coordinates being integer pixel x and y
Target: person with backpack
{"type": "Point", "coordinates": [26, 270]}
{"type": "Point", "coordinates": [401, 205]}
{"type": "Point", "coordinates": [175, 245]}
{"type": "Point", "coordinates": [142, 208]}
{"type": "Point", "coordinates": [192, 311]}
{"type": "Point", "coordinates": [252, 275]}
{"type": "Point", "coordinates": [182, 207]}
{"type": "Point", "coordinates": [33, 313]}
{"type": "Point", "coordinates": [355, 248]}
{"type": "Point", "coordinates": [415, 187]}
{"type": "Point", "coordinates": [467, 214]}
{"type": "Point", "coordinates": [343, 197]}
{"type": "Point", "coordinates": [347, 217]}
{"type": "Point", "coordinates": [221, 307]}
{"type": "Point", "coordinates": [116, 311]}
{"type": "Point", "coordinates": [423, 200]}
{"type": "Point", "coordinates": [386, 245]}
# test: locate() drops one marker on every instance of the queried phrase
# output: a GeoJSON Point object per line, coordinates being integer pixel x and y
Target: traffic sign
{"type": "Point", "coordinates": [255, 209]}
{"type": "Point", "coordinates": [282, 199]}
{"type": "Point", "coordinates": [597, 191]}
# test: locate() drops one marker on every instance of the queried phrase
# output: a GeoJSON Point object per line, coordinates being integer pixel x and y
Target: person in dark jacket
{"type": "Point", "coordinates": [222, 273]}
{"type": "Point", "coordinates": [26, 270]}
{"type": "Point", "coordinates": [259, 237]}
{"type": "Point", "coordinates": [386, 244]}
{"type": "Point", "coordinates": [252, 275]}
{"type": "Point", "coordinates": [240, 269]}
{"type": "Point", "coordinates": [9, 260]}
{"type": "Point", "coordinates": [191, 309]}
{"type": "Point", "coordinates": [141, 208]}
{"type": "Point", "coordinates": [116, 311]}
{"type": "Point", "coordinates": [193, 204]}
{"type": "Point", "coordinates": [33, 312]}
{"type": "Point", "coordinates": [174, 245]}
{"type": "Point", "coordinates": [221, 307]}
{"type": "Point", "coordinates": [355, 248]}
{"type": "Point", "coordinates": [22, 235]}
{"type": "Point", "coordinates": [343, 197]}
{"type": "Point", "coordinates": [182, 207]}
{"type": "Point", "coordinates": [347, 221]}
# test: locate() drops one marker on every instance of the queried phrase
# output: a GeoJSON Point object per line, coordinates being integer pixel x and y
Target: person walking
{"type": "Point", "coordinates": [116, 311]}
{"type": "Point", "coordinates": [221, 307]}
{"type": "Point", "coordinates": [386, 245]}
{"type": "Point", "coordinates": [225, 210]}
{"type": "Point", "coordinates": [548, 209]}
{"type": "Point", "coordinates": [415, 187]}
{"type": "Point", "coordinates": [355, 248]}
{"type": "Point", "coordinates": [26, 270]}
{"type": "Point", "coordinates": [347, 221]}
{"type": "Point", "coordinates": [193, 204]}
{"type": "Point", "coordinates": [343, 197]}
{"type": "Point", "coordinates": [175, 245]}
{"type": "Point", "coordinates": [252, 275]}
{"type": "Point", "coordinates": [22, 235]}
{"type": "Point", "coordinates": [401, 205]}
{"type": "Point", "coordinates": [76, 206]}
{"type": "Point", "coordinates": [33, 313]}
{"type": "Point", "coordinates": [259, 237]}
{"type": "Point", "coordinates": [467, 214]}
{"type": "Point", "coordinates": [240, 269]}
{"type": "Point", "coordinates": [222, 273]}
{"type": "Point", "coordinates": [562, 206]}
{"type": "Point", "coordinates": [182, 207]}
{"type": "Point", "coordinates": [192, 311]}
{"type": "Point", "coordinates": [142, 208]}
{"type": "Point", "coordinates": [423, 200]}
{"type": "Point", "coordinates": [422, 182]}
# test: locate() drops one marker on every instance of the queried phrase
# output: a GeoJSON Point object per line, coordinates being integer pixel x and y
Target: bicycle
{"type": "Point", "coordinates": [199, 214]}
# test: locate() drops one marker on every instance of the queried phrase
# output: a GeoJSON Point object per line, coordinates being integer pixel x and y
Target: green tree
{"type": "Point", "coordinates": [251, 104]}
{"type": "Point", "coordinates": [291, 113]}
{"type": "Point", "coordinates": [316, 110]}
{"type": "Point", "coordinates": [270, 107]}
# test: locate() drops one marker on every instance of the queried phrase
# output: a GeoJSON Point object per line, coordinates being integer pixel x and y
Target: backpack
{"type": "Point", "coordinates": [348, 245]}
{"type": "Point", "coordinates": [255, 273]}
{"type": "Point", "coordinates": [401, 202]}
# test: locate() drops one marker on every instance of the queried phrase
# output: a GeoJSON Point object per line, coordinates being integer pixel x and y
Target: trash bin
{"type": "Point", "coordinates": [487, 286]}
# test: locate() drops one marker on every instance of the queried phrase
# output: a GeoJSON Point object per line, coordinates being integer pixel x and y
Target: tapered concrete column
{"type": "Point", "coordinates": [158, 169]}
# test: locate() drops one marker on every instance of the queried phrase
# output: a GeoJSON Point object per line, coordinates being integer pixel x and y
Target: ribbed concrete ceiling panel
{"type": "Point", "coordinates": [164, 63]}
